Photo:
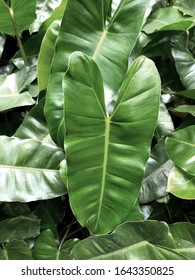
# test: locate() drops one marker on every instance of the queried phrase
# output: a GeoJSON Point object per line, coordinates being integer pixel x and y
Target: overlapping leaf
{"type": "Point", "coordinates": [106, 155]}
{"type": "Point", "coordinates": [147, 240]}
{"type": "Point", "coordinates": [15, 250]}
{"type": "Point", "coordinates": [181, 184]}
{"type": "Point", "coordinates": [86, 27]}
{"type": "Point", "coordinates": [32, 173]}
{"type": "Point", "coordinates": [180, 146]}
{"type": "Point", "coordinates": [24, 14]}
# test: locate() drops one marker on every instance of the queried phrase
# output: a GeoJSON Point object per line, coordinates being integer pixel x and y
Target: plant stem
{"type": "Point", "coordinates": [18, 36]}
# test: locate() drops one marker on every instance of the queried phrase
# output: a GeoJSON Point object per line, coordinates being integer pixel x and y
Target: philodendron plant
{"type": "Point", "coordinates": [94, 144]}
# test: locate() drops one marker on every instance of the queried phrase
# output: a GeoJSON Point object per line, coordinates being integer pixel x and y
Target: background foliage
{"type": "Point", "coordinates": [97, 129]}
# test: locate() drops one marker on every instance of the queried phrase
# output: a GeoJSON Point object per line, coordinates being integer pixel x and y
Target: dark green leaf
{"type": "Point", "coordinates": [15, 250]}
{"type": "Point", "coordinates": [20, 227]}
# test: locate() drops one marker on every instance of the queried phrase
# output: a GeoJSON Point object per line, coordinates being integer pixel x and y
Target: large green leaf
{"type": "Point", "coordinates": [181, 184]}
{"type": "Point", "coordinates": [187, 7]}
{"type": "Point", "coordinates": [86, 27]}
{"type": "Point", "coordinates": [167, 19]}
{"type": "Point", "coordinates": [180, 146]}
{"type": "Point", "coordinates": [46, 54]}
{"type": "Point", "coordinates": [106, 155]}
{"type": "Point", "coordinates": [147, 240]}
{"type": "Point", "coordinates": [14, 89]}
{"type": "Point", "coordinates": [20, 227]}
{"type": "Point", "coordinates": [158, 167]}
{"type": "Point", "coordinates": [184, 61]}
{"type": "Point", "coordinates": [29, 170]}
{"type": "Point", "coordinates": [15, 250]}
{"type": "Point", "coordinates": [44, 8]}
{"type": "Point", "coordinates": [23, 11]}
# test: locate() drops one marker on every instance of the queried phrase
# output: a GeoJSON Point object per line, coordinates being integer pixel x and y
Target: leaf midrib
{"type": "Point", "coordinates": [25, 168]}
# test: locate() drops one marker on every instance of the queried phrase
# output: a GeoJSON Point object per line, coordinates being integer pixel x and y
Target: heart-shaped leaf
{"type": "Point", "coordinates": [106, 155]}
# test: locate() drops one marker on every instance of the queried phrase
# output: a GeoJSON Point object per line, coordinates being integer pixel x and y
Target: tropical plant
{"type": "Point", "coordinates": [97, 129]}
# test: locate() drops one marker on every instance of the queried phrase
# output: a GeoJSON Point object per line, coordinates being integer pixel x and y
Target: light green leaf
{"type": "Point", "coordinates": [147, 240]}
{"type": "Point", "coordinates": [24, 14]}
{"type": "Point", "coordinates": [15, 250]}
{"type": "Point", "coordinates": [180, 146]}
{"type": "Point", "coordinates": [29, 170]}
{"type": "Point", "coordinates": [167, 19]}
{"type": "Point", "coordinates": [86, 27]}
{"type": "Point", "coordinates": [184, 61]}
{"type": "Point", "coordinates": [187, 7]}
{"type": "Point", "coordinates": [46, 247]}
{"type": "Point", "coordinates": [181, 184]}
{"type": "Point", "coordinates": [44, 9]}
{"type": "Point", "coordinates": [106, 155]}
{"type": "Point", "coordinates": [13, 89]}
{"type": "Point", "coordinates": [46, 54]}
{"type": "Point", "coordinates": [20, 227]}
{"type": "Point", "coordinates": [185, 93]}
{"type": "Point", "coordinates": [158, 167]}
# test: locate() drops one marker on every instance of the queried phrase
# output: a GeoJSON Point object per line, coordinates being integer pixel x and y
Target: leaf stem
{"type": "Point", "coordinates": [18, 36]}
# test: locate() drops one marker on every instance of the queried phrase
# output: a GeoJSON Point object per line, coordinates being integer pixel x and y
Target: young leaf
{"type": "Point", "coordinates": [29, 170]}
{"type": "Point", "coordinates": [86, 27]}
{"type": "Point", "coordinates": [180, 148]}
{"type": "Point", "coordinates": [181, 184]}
{"type": "Point", "coordinates": [106, 155]}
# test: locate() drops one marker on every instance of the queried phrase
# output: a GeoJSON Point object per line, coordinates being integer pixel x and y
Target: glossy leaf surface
{"type": "Point", "coordinates": [24, 14]}
{"type": "Point", "coordinates": [86, 27]}
{"type": "Point", "coordinates": [158, 167]}
{"type": "Point", "coordinates": [181, 184]}
{"type": "Point", "coordinates": [184, 61]}
{"type": "Point", "coordinates": [180, 146]}
{"type": "Point", "coordinates": [32, 173]}
{"type": "Point", "coordinates": [147, 240]}
{"type": "Point", "coordinates": [44, 9]}
{"type": "Point", "coordinates": [13, 92]}
{"type": "Point", "coordinates": [106, 155]}
{"type": "Point", "coordinates": [16, 250]}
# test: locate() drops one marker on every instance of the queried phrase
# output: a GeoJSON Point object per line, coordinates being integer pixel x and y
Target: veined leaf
{"type": "Point", "coordinates": [181, 184]}
{"type": "Point", "coordinates": [20, 227]}
{"type": "Point", "coordinates": [167, 19]}
{"type": "Point", "coordinates": [180, 146]}
{"type": "Point", "coordinates": [16, 250]}
{"type": "Point", "coordinates": [184, 61]}
{"type": "Point", "coordinates": [184, 109]}
{"type": "Point", "coordinates": [85, 27]}
{"type": "Point", "coordinates": [146, 240]}
{"type": "Point", "coordinates": [29, 170]}
{"type": "Point", "coordinates": [23, 11]}
{"type": "Point", "coordinates": [187, 7]}
{"type": "Point", "coordinates": [106, 155]}
{"type": "Point", "coordinates": [44, 9]}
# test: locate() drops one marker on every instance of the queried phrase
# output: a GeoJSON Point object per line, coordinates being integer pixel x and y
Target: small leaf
{"type": "Point", "coordinates": [16, 250]}
{"type": "Point", "coordinates": [180, 146]}
{"type": "Point", "coordinates": [181, 184]}
{"type": "Point", "coordinates": [184, 109]}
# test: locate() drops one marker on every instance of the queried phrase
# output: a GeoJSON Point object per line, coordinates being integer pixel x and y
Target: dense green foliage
{"type": "Point", "coordinates": [97, 129]}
